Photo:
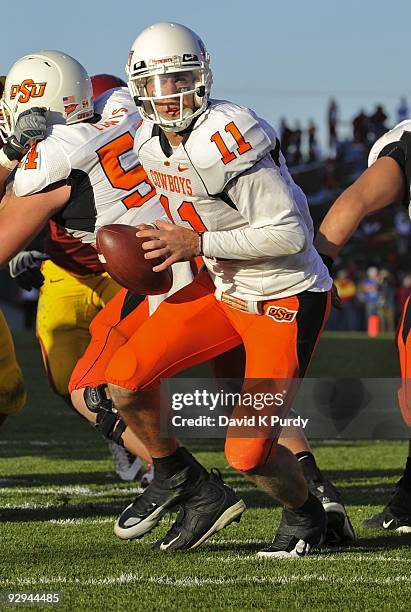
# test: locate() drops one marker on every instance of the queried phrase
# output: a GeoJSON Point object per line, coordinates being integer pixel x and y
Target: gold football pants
{"type": "Point", "coordinates": [12, 392]}
{"type": "Point", "coordinates": [67, 305]}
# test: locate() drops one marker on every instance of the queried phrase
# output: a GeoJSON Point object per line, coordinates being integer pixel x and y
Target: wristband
{"type": "Point", "coordinates": [328, 261]}
{"type": "Point", "coordinates": [7, 163]}
{"type": "Point", "coordinates": [200, 243]}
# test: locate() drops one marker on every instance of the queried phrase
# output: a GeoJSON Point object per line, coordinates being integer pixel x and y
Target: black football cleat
{"type": "Point", "coordinates": [210, 509]}
{"type": "Point", "coordinates": [396, 515]}
{"type": "Point", "coordinates": [339, 528]}
{"type": "Point", "coordinates": [161, 495]}
{"type": "Point", "coordinates": [297, 534]}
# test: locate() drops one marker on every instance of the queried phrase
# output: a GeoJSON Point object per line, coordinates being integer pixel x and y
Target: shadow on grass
{"type": "Point", "coordinates": [61, 512]}
{"type": "Point", "coordinates": [382, 543]}
{"type": "Point", "coordinates": [62, 479]}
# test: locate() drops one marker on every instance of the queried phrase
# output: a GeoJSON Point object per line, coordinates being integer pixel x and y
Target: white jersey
{"type": "Point", "coordinates": [108, 185]}
{"type": "Point", "coordinates": [391, 136]}
{"type": "Point", "coordinates": [229, 179]}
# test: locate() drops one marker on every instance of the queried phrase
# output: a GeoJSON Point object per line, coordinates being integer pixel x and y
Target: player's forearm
{"type": "Point", "coordinates": [340, 223]}
{"type": "Point", "coordinates": [254, 243]}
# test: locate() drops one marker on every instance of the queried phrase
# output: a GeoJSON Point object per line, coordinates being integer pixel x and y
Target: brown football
{"type": "Point", "coordinates": [122, 255]}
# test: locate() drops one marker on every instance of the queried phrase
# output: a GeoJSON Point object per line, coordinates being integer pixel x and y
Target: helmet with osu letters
{"type": "Point", "coordinates": [49, 79]}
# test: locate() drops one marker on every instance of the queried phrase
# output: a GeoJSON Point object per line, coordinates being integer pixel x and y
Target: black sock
{"type": "Point", "coordinates": [310, 468]}
{"type": "Point", "coordinates": [309, 506]}
{"type": "Point", "coordinates": [165, 467]}
{"type": "Point", "coordinates": [405, 482]}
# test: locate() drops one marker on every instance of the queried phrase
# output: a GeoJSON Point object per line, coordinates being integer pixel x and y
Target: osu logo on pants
{"type": "Point", "coordinates": [26, 90]}
{"type": "Point", "coordinates": [281, 314]}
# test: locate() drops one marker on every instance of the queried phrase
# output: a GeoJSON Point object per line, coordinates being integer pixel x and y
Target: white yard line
{"type": "Point", "coordinates": [57, 506]}
{"type": "Point", "coordinates": [68, 490]}
{"type": "Point", "coordinates": [196, 581]}
{"type": "Point", "coordinates": [352, 556]}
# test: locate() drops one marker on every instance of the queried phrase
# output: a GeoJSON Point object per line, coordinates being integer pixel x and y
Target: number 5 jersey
{"type": "Point", "coordinates": [228, 178]}
{"type": "Point", "coordinates": [96, 159]}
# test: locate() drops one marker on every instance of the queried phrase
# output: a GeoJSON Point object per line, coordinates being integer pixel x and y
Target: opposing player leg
{"type": "Point", "coordinates": [12, 391]}
{"type": "Point", "coordinates": [67, 305]}
{"type": "Point", "coordinates": [396, 516]}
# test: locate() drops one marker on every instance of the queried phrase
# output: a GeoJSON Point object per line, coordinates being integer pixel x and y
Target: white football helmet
{"type": "Point", "coordinates": [49, 79]}
{"type": "Point", "coordinates": [162, 49]}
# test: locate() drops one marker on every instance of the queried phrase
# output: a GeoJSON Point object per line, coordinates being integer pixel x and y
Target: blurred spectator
{"type": "Point", "coordinates": [386, 301]}
{"type": "Point", "coordinates": [377, 123]}
{"type": "Point", "coordinates": [348, 319]}
{"type": "Point", "coordinates": [296, 155]}
{"type": "Point", "coordinates": [285, 137]}
{"type": "Point", "coordinates": [403, 293]}
{"type": "Point", "coordinates": [332, 117]}
{"type": "Point", "coordinates": [370, 292]}
{"type": "Point", "coordinates": [360, 126]}
{"type": "Point", "coordinates": [313, 153]}
{"type": "Point", "coordinates": [402, 224]}
{"type": "Point", "coordinates": [371, 226]}
{"type": "Point", "coordinates": [402, 110]}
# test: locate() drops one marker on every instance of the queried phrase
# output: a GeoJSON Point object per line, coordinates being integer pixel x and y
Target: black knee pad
{"type": "Point", "coordinates": [97, 400]}
{"type": "Point", "coordinates": [108, 423]}
{"type": "Point", "coordinates": [110, 426]}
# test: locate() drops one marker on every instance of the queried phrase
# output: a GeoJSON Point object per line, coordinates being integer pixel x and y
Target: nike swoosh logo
{"type": "Point", "coordinates": [182, 168]}
{"type": "Point", "coordinates": [387, 524]}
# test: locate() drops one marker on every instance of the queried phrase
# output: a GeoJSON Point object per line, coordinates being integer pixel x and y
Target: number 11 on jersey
{"type": "Point", "coordinates": [242, 146]}
{"type": "Point", "coordinates": [186, 212]}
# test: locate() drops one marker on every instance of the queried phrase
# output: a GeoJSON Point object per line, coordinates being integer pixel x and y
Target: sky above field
{"type": "Point", "coordinates": [282, 59]}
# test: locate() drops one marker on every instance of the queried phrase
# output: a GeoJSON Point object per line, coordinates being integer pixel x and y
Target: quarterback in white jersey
{"type": "Point", "coordinates": [221, 178]}
{"type": "Point", "coordinates": [228, 179]}
{"type": "Point", "coordinates": [386, 181]}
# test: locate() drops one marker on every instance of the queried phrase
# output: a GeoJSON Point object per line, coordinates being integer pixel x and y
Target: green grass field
{"type": "Point", "coordinates": [59, 500]}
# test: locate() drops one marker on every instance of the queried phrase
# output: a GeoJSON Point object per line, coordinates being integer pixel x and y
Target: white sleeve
{"type": "Point", "coordinates": [47, 166]}
{"type": "Point", "coordinates": [391, 136]}
{"type": "Point", "coordinates": [276, 227]}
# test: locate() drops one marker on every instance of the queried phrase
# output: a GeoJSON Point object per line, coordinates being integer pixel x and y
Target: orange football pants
{"type": "Point", "coordinates": [192, 326]}
{"type": "Point", "coordinates": [404, 350]}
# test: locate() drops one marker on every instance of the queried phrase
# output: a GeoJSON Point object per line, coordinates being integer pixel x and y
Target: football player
{"type": "Point", "coordinates": [223, 181]}
{"type": "Point", "coordinates": [386, 180]}
{"type": "Point", "coordinates": [82, 175]}
{"type": "Point", "coordinates": [72, 276]}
